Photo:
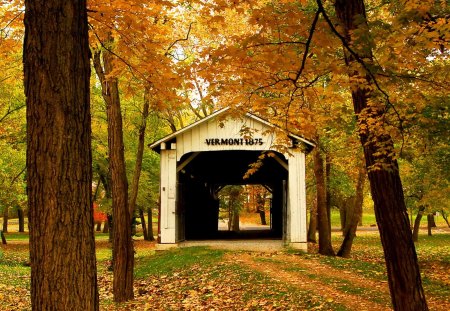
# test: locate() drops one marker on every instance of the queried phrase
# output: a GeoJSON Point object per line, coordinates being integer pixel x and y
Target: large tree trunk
{"type": "Point", "coordinates": [21, 216]}
{"type": "Point", "coordinates": [5, 219]}
{"type": "Point", "coordinates": [405, 283]}
{"type": "Point", "coordinates": [325, 247]}
{"type": "Point", "coordinates": [59, 170]}
{"type": "Point", "coordinates": [415, 233]}
{"type": "Point", "coordinates": [123, 252]}
{"type": "Point", "coordinates": [349, 230]}
{"type": "Point", "coordinates": [139, 155]}
{"type": "Point", "coordinates": [312, 228]}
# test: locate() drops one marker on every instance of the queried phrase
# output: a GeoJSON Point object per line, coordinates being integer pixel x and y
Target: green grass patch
{"type": "Point", "coordinates": [435, 247]}
{"type": "Point", "coordinates": [16, 236]}
{"type": "Point", "coordinates": [166, 262]}
{"type": "Point", "coordinates": [367, 219]}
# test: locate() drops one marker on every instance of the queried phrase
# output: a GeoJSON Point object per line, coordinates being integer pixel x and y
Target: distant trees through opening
{"type": "Point", "coordinates": [244, 208]}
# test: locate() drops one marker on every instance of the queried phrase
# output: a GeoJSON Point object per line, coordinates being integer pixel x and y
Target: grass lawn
{"type": "Point", "coordinates": [200, 278]}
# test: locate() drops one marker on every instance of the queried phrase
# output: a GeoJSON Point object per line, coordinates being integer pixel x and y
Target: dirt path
{"type": "Point", "coordinates": [305, 282]}
{"type": "Point", "coordinates": [327, 271]}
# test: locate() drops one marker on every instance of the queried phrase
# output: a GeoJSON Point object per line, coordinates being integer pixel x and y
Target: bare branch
{"type": "Point", "coordinates": [178, 40]}
{"type": "Point", "coordinates": [308, 43]}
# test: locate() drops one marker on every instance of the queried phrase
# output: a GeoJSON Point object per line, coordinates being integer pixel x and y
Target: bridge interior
{"type": "Point", "coordinates": [200, 180]}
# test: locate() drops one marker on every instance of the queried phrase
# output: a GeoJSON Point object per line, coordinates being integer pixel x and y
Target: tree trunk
{"type": "Point", "coordinates": [99, 226]}
{"type": "Point", "coordinates": [3, 238]}
{"type": "Point", "coordinates": [123, 252]}
{"type": "Point", "coordinates": [260, 202]}
{"type": "Point", "coordinates": [144, 225]}
{"type": "Point", "coordinates": [59, 161]}
{"type": "Point", "coordinates": [106, 226]}
{"type": "Point", "coordinates": [325, 247]}
{"type": "Point", "coordinates": [348, 209]}
{"type": "Point", "coordinates": [444, 215]}
{"type": "Point", "coordinates": [342, 214]}
{"type": "Point", "coordinates": [357, 203]}
{"type": "Point", "coordinates": [417, 223]}
{"type": "Point", "coordinates": [150, 224]}
{"type": "Point", "coordinates": [312, 228]}
{"type": "Point", "coordinates": [405, 282]}
{"type": "Point", "coordinates": [430, 222]}
{"type": "Point", "coordinates": [262, 216]}
{"type": "Point", "coordinates": [328, 186]}
{"type": "Point", "coordinates": [139, 155]}
{"type": "Point", "coordinates": [21, 216]}
{"type": "Point", "coordinates": [235, 221]}
{"type": "Point", "coordinates": [5, 219]}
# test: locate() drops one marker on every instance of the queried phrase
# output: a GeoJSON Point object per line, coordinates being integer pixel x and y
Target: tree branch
{"type": "Point", "coordinates": [10, 111]}
{"type": "Point", "coordinates": [360, 61]}
{"type": "Point", "coordinates": [308, 43]}
{"type": "Point", "coordinates": [178, 40]}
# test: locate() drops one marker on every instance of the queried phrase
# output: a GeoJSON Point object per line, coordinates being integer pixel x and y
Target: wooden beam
{"type": "Point", "coordinates": [187, 161]}
{"type": "Point", "coordinates": [282, 163]}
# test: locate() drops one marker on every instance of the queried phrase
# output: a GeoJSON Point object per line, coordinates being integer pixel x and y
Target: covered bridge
{"type": "Point", "coordinates": [200, 159]}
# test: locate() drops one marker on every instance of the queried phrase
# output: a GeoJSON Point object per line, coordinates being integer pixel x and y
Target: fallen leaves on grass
{"type": "Point", "coordinates": [224, 286]}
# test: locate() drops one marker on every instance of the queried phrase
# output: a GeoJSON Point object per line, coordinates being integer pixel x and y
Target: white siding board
{"type": "Point", "coordinates": [296, 198]}
{"type": "Point", "coordinates": [168, 196]}
{"type": "Point", "coordinates": [195, 144]}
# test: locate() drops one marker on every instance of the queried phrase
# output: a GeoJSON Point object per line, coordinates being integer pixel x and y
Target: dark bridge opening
{"type": "Point", "coordinates": [202, 181]}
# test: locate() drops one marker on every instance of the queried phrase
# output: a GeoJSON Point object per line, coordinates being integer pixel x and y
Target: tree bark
{"type": "Point", "coordinates": [342, 214]}
{"type": "Point", "coordinates": [417, 223]}
{"type": "Point", "coordinates": [430, 223]}
{"type": "Point", "coordinates": [59, 161]}
{"type": "Point", "coordinates": [312, 228]}
{"type": "Point", "coordinates": [5, 219]}
{"type": "Point", "coordinates": [405, 282]}
{"type": "Point", "coordinates": [350, 229]}
{"type": "Point", "coordinates": [139, 155]}
{"type": "Point", "coordinates": [3, 238]}
{"type": "Point", "coordinates": [123, 252]}
{"type": "Point", "coordinates": [235, 221]}
{"type": "Point", "coordinates": [328, 186]}
{"type": "Point", "coordinates": [21, 216]}
{"type": "Point", "coordinates": [325, 247]}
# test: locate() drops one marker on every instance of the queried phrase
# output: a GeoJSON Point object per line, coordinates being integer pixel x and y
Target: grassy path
{"type": "Point", "coordinates": [327, 283]}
